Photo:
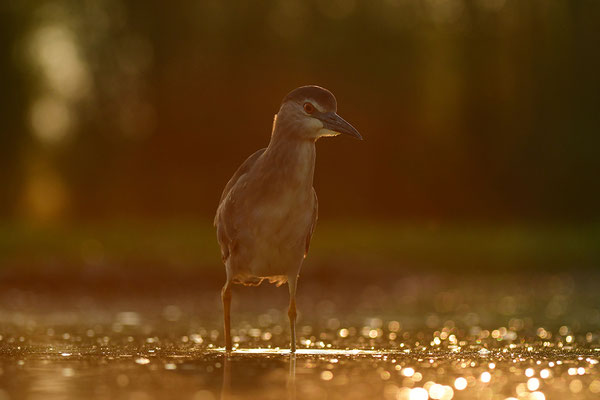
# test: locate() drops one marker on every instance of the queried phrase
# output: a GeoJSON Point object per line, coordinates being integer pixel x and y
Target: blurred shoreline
{"type": "Point", "coordinates": [178, 247]}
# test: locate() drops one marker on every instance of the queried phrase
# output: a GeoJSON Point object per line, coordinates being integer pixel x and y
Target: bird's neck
{"type": "Point", "coordinates": [292, 158]}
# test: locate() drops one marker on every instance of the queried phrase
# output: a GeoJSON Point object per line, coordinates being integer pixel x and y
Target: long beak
{"type": "Point", "coordinates": [335, 123]}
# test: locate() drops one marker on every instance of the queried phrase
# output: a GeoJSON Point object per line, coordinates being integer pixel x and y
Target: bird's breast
{"type": "Point", "coordinates": [282, 208]}
{"type": "Point", "coordinates": [281, 193]}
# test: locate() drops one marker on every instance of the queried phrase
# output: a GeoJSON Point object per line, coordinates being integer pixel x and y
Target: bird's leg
{"type": "Point", "coordinates": [292, 314]}
{"type": "Point", "coordinates": [226, 297]}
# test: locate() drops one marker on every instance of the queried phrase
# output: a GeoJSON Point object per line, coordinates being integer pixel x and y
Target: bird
{"type": "Point", "coordinates": [268, 210]}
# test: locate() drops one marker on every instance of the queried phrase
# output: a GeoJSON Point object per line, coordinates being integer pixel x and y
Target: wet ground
{"type": "Point", "coordinates": [389, 335]}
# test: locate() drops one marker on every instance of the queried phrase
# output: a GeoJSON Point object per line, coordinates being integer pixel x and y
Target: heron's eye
{"type": "Point", "coordinates": [309, 108]}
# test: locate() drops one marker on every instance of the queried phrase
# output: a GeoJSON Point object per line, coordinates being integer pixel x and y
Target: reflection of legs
{"type": "Point", "coordinates": [226, 389]}
{"type": "Point", "coordinates": [292, 313]}
{"type": "Point", "coordinates": [226, 297]}
{"type": "Point", "coordinates": [292, 378]}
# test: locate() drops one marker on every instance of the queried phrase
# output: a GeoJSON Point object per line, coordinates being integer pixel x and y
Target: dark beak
{"type": "Point", "coordinates": [335, 123]}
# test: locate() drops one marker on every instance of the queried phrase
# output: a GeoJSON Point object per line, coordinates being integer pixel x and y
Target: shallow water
{"type": "Point", "coordinates": [417, 337]}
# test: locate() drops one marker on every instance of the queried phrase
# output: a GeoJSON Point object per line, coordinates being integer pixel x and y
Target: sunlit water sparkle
{"type": "Point", "coordinates": [445, 341]}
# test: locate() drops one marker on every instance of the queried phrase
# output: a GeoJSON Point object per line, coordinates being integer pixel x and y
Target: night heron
{"type": "Point", "coordinates": [268, 209]}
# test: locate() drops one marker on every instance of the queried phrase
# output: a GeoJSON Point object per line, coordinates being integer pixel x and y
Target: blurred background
{"type": "Point", "coordinates": [123, 120]}
{"type": "Point", "coordinates": [470, 212]}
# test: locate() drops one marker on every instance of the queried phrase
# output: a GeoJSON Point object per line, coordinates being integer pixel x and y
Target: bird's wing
{"type": "Point", "coordinates": [315, 216]}
{"type": "Point", "coordinates": [245, 167]}
{"type": "Point", "coordinates": [222, 235]}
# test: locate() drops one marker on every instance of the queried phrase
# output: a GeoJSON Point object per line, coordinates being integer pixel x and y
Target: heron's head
{"type": "Point", "coordinates": [310, 111]}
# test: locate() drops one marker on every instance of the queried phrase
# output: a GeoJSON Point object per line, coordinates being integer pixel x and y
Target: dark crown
{"type": "Point", "coordinates": [321, 95]}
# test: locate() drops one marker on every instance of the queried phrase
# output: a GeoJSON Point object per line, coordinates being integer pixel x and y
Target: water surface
{"type": "Point", "coordinates": [408, 337]}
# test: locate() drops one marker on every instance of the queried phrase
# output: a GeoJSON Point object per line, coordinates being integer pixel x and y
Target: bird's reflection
{"type": "Point", "coordinates": [227, 389]}
{"type": "Point", "coordinates": [291, 383]}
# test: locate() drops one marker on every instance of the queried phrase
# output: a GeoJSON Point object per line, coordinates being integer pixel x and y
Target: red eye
{"type": "Point", "coordinates": [309, 108]}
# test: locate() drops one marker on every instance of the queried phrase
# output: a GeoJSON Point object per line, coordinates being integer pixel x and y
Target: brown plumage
{"type": "Point", "coordinates": [268, 210]}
